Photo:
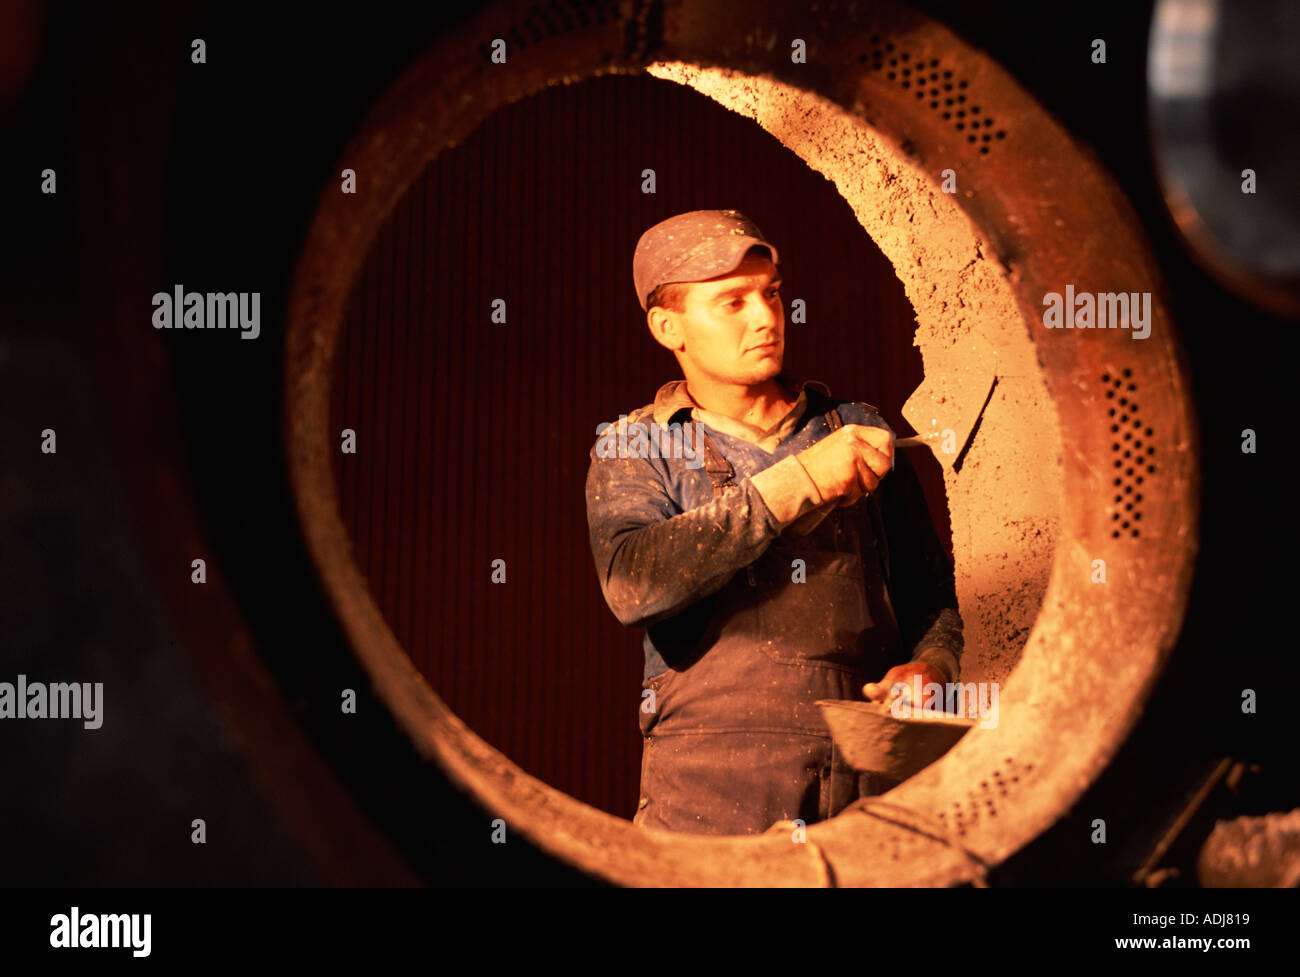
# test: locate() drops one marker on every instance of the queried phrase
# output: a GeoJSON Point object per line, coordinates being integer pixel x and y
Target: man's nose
{"type": "Point", "coordinates": [763, 318]}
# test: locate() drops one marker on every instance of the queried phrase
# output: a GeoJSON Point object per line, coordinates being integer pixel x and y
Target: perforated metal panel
{"type": "Point", "coordinates": [991, 798]}
{"type": "Point", "coordinates": [943, 90]}
{"type": "Point", "coordinates": [1134, 450]}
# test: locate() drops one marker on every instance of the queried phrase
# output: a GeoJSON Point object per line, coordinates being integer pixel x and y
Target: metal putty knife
{"type": "Point", "coordinates": [947, 405]}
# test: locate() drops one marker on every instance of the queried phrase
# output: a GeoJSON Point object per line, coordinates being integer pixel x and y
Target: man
{"type": "Point", "coordinates": [772, 545]}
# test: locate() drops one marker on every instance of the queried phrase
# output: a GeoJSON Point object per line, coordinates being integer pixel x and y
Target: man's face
{"type": "Point", "coordinates": [733, 327]}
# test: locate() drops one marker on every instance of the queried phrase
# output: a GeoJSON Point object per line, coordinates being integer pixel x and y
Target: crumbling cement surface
{"type": "Point", "coordinates": [1004, 502]}
{"type": "Point", "coordinates": [1248, 852]}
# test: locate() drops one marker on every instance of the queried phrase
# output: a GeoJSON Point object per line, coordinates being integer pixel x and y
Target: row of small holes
{"type": "Point", "coordinates": [560, 16]}
{"type": "Point", "coordinates": [1137, 454]}
{"type": "Point", "coordinates": [951, 99]}
{"type": "Point", "coordinates": [963, 821]}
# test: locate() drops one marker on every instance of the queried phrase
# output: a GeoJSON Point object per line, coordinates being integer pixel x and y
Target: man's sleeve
{"type": "Point", "coordinates": [654, 560]}
{"type": "Point", "coordinates": [921, 575]}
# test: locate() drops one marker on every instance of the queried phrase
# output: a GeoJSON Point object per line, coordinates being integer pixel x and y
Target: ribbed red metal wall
{"type": "Point", "coordinates": [472, 436]}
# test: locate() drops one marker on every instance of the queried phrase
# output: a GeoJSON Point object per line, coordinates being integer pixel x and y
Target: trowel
{"type": "Point", "coordinates": [944, 409]}
{"type": "Point", "coordinates": [947, 405]}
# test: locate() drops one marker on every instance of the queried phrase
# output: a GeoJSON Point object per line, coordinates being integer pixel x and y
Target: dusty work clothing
{"type": "Point", "coordinates": [758, 599]}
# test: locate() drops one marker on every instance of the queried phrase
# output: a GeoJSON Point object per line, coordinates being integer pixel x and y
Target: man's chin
{"type": "Point", "coordinates": [757, 376]}
{"type": "Point", "coordinates": [760, 373]}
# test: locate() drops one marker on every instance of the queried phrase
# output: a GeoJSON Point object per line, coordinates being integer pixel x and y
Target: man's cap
{"type": "Point", "coordinates": [693, 247]}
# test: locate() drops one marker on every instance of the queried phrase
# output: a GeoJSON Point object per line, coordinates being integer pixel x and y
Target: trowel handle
{"type": "Point", "coordinates": [915, 442]}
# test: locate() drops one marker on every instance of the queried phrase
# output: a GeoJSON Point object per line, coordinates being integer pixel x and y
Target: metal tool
{"type": "Point", "coordinates": [947, 405]}
{"type": "Point", "coordinates": [945, 408]}
{"type": "Point", "coordinates": [870, 737]}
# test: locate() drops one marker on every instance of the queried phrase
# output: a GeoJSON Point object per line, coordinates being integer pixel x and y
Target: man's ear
{"type": "Point", "coordinates": [664, 328]}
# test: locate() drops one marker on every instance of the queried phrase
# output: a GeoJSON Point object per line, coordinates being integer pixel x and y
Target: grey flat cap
{"type": "Point", "coordinates": [693, 247]}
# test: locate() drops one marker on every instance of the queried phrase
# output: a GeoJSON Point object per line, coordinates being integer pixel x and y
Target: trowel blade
{"type": "Point", "coordinates": [946, 406]}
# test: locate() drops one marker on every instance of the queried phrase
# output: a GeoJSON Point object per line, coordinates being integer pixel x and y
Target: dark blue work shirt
{"type": "Point", "coordinates": [662, 541]}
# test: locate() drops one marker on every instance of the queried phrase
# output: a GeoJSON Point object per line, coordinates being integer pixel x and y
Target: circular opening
{"type": "Point", "coordinates": [1050, 740]}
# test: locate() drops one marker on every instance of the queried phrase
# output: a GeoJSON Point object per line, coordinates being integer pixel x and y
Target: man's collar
{"type": "Point", "coordinates": [673, 396]}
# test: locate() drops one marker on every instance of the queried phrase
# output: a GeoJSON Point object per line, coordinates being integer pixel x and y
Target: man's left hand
{"type": "Point", "coordinates": [884, 690]}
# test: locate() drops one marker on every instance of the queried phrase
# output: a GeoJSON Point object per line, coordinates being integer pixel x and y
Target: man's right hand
{"type": "Point", "coordinates": [849, 462]}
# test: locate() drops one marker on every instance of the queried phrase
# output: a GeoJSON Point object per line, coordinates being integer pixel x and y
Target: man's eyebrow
{"type": "Point", "coordinates": [776, 280]}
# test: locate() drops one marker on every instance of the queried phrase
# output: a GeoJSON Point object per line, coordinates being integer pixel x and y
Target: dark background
{"type": "Point", "coordinates": [211, 173]}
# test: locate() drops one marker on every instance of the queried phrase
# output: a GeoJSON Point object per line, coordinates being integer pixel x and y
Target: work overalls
{"type": "Point", "coordinates": [732, 740]}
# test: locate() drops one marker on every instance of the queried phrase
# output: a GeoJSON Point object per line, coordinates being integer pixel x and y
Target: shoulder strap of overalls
{"type": "Point", "coordinates": [719, 469]}
{"type": "Point", "coordinates": [879, 540]}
